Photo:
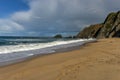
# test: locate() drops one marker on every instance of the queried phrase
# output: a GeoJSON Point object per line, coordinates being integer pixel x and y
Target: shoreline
{"type": "Point", "coordinates": [93, 61]}
{"type": "Point", "coordinates": [56, 51]}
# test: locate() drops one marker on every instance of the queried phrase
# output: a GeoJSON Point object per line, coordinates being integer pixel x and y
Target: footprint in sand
{"type": "Point", "coordinates": [69, 72]}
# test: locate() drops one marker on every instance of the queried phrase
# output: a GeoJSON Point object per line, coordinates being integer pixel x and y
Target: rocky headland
{"type": "Point", "coordinates": [108, 29]}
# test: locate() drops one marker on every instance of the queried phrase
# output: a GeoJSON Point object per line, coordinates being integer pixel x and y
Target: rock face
{"type": "Point", "coordinates": [109, 28]}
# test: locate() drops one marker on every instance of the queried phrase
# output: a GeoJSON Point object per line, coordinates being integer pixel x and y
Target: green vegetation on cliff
{"type": "Point", "coordinates": [109, 28]}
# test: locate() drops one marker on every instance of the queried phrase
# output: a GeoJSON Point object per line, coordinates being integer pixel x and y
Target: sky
{"type": "Point", "coordinates": [51, 17]}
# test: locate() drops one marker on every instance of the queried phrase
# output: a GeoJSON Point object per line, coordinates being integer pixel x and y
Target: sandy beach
{"type": "Point", "coordinates": [93, 61]}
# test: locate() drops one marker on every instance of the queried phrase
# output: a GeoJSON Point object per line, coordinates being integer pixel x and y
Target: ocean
{"type": "Point", "coordinates": [15, 49]}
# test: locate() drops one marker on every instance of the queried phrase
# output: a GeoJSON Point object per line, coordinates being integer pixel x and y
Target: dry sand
{"type": "Point", "coordinates": [93, 61]}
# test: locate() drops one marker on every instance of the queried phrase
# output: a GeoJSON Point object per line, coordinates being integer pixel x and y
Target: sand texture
{"type": "Point", "coordinates": [93, 61]}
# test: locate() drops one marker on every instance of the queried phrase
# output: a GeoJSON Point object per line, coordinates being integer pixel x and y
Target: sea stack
{"type": "Point", "coordinates": [108, 29]}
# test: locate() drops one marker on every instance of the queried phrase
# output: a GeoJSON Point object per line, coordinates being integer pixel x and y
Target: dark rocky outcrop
{"type": "Point", "coordinates": [58, 36]}
{"type": "Point", "coordinates": [91, 31]}
{"type": "Point", "coordinates": [109, 28]}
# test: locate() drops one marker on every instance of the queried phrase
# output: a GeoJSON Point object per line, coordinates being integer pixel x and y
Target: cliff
{"type": "Point", "coordinates": [109, 28]}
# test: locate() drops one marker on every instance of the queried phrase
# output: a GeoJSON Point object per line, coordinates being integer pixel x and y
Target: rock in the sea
{"type": "Point", "coordinates": [58, 36]}
{"type": "Point", "coordinates": [109, 28]}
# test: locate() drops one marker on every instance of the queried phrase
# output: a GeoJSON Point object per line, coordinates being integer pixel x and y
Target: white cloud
{"type": "Point", "coordinates": [58, 15]}
{"type": "Point", "coordinates": [21, 16]}
{"type": "Point", "coordinates": [9, 26]}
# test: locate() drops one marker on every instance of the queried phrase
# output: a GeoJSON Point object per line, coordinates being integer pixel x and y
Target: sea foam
{"type": "Point", "coordinates": [17, 53]}
{"type": "Point", "coordinates": [33, 46]}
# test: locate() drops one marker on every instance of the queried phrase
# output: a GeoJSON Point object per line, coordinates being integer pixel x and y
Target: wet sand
{"type": "Point", "coordinates": [94, 61]}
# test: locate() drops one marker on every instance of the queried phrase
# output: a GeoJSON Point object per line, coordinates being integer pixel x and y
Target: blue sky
{"type": "Point", "coordinates": [8, 7]}
{"type": "Point", "coordinates": [50, 17]}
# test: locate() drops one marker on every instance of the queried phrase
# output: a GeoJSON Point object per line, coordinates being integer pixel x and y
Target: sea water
{"type": "Point", "coordinates": [15, 49]}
